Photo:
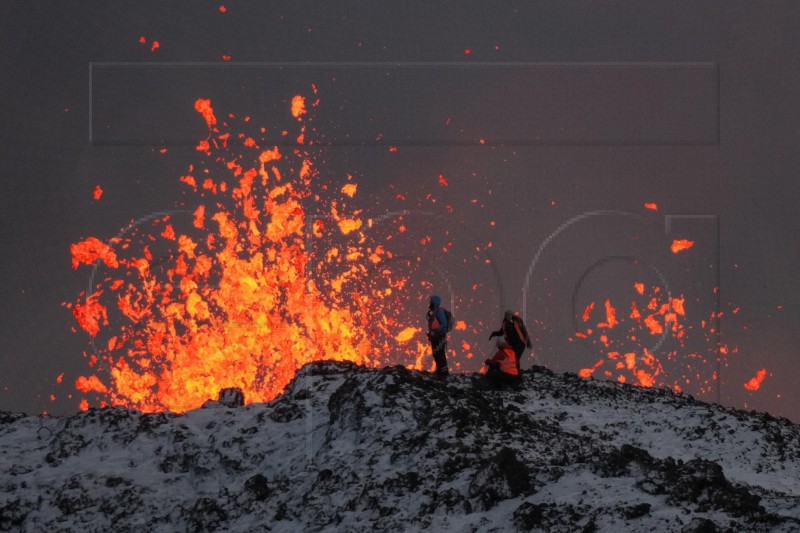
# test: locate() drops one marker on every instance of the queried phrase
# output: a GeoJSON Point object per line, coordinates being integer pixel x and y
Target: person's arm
{"type": "Point", "coordinates": [499, 356]}
{"type": "Point", "coordinates": [496, 333]}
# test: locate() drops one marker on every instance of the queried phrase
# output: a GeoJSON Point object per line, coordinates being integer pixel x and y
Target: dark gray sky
{"type": "Point", "coordinates": [583, 106]}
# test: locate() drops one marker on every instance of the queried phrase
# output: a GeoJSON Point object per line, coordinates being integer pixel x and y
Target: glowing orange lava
{"type": "Point", "coordinates": [616, 334]}
{"type": "Point", "coordinates": [755, 382]}
{"type": "Point", "coordinates": [244, 290]}
{"type": "Point", "coordinates": [679, 245]}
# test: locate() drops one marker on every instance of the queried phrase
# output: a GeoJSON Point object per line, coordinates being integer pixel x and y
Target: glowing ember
{"type": "Point", "coordinates": [350, 189]}
{"type": "Point", "coordinates": [97, 193]}
{"type": "Point", "coordinates": [755, 382]}
{"type": "Point", "coordinates": [91, 383]}
{"type": "Point", "coordinates": [651, 205]}
{"type": "Point", "coordinates": [90, 250]}
{"type": "Point", "coordinates": [617, 334]}
{"type": "Point", "coordinates": [679, 245]}
{"type": "Point", "coordinates": [91, 315]}
{"type": "Point", "coordinates": [587, 372]}
{"type": "Point", "coordinates": [407, 334]}
{"type": "Point", "coordinates": [587, 311]}
{"type": "Point", "coordinates": [298, 106]}
{"type": "Point", "coordinates": [244, 290]}
{"type": "Point", "coordinates": [203, 106]}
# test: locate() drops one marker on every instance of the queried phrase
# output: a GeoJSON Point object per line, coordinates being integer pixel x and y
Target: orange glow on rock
{"type": "Point", "coordinates": [755, 382]}
{"type": "Point", "coordinates": [679, 245]}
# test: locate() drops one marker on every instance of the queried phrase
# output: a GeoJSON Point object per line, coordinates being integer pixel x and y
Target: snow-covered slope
{"type": "Point", "coordinates": [352, 449]}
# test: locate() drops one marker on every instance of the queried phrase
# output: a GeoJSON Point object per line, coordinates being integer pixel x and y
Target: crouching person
{"type": "Point", "coordinates": [502, 369]}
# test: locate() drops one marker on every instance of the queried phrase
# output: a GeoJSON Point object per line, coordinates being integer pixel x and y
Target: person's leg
{"type": "Point", "coordinates": [509, 380]}
{"type": "Point", "coordinates": [494, 377]}
{"type": "Point", "coordinates": [439, 346]}
{"type": "Point", "coordinates": [518, 349]}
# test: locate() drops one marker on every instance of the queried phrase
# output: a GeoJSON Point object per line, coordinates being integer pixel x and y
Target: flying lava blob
{"type": "Point", "coordinates": [754, 383]}
{"type": "Point", "coordinates": [626, 339]}
{"type": "Point", "coordinates": [679, 245]}
{"type": "Point", "coordinates": [260, 277]}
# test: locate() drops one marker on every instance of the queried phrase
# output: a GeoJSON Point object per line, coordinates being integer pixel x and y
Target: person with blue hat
{"type": "Point", "coordinates": [437, 335]}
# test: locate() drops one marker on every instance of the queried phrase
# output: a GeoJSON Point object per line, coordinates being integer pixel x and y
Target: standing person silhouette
{"type": "Point", "coordinates": [437, 335]}
{"type": "Point", "coordinates": [513, 329]}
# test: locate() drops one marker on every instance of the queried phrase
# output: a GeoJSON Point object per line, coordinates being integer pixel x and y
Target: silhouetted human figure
{"type": "Point", "coordinates": [515, 334]}
{"type": "Point", "coordinates": [502, 368]}
{"type": "Point", "coordinates": [437, 335]}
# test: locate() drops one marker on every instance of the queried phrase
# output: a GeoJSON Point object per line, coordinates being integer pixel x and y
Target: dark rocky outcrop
{"type": "Point", "coordinates": [350, 448]}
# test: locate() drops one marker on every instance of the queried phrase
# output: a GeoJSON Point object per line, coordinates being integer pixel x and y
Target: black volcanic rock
{"type": "Point", "coordinates": [350, 448]}
{"type": "Point", "coordinates": [231, 397]}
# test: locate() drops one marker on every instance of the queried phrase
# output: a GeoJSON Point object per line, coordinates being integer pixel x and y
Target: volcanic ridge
{"type": "Point", "coordinates": [349, 448]}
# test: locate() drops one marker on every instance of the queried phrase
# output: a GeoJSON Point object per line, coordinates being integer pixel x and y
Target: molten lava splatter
{"type": "Point", "coordinates": [298, 106]}
{"type": "Point", "coordinates": [679, 245]}
{"type": "Point", "coordinates": [625, 338]}
{"type": "Point", "coordinates": [97, 193]}
{"type": "Point", "coordinates": [244, 290]}
{"type": "Point", "coordinates": [755, 382]}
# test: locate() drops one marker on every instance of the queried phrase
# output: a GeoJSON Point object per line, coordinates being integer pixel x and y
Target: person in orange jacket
{"type": "Point", "coordinates": [515, 333]}
{"type": "Point", "coordinates": [502, 368]}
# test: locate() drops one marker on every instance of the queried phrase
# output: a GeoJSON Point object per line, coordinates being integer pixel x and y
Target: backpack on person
{"type": "Point", "coordinates": [451, 322]}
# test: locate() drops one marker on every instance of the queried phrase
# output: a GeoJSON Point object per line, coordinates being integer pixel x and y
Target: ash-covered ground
{"type": "Point", "coordinates": [347, 448]}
